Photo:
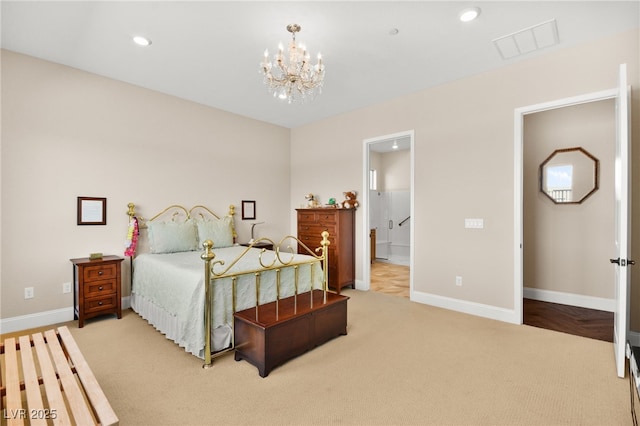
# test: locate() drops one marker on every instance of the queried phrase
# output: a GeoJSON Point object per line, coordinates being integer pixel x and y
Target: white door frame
{"type": "Point", "coordinates": [622, 220]}
{"type": "Point", "coordinates": [518, 179]}
{"type": "Point", "coordinates": [366, 246]}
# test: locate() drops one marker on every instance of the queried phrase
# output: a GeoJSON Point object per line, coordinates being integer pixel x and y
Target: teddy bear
{"type": "Point", "coordinates": [350, 202]}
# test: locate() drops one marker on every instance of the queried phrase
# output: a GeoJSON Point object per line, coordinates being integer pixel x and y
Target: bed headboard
{"type": "Point", "coordinates": [175, 216]}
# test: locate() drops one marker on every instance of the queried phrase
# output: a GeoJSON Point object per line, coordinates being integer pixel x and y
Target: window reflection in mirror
{"type": "Point", "coordinates": [560, 182]}
{"type": "Point", "coordinates": [569, 176]}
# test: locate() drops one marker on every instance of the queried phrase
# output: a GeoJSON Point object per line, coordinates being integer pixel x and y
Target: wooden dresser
{"type": "Point", "coordinates": [97, 287]}
{"type": "Point", "coordinates": [341, 225]}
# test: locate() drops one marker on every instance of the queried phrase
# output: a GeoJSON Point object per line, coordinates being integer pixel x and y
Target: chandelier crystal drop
{"type": "Point", "coordinates": [292, 79]}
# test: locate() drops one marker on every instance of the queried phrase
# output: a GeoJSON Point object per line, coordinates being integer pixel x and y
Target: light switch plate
{"type": "Point", "coordinates": [474, 223]}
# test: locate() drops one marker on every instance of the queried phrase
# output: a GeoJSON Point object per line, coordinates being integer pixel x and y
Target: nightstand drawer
{"type": "Point", "coordinates": [98, 288]}
{"type": "Point", "coordinates": [106, 302]}
{"type": "Point", "coordinates": [100, 272]}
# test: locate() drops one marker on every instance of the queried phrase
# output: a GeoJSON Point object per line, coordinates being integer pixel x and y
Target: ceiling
{"type": "Point", "coordinates": [209, 51]}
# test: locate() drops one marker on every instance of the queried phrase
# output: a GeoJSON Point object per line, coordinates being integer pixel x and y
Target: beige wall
{"type": "Point", "coordinates": [67, 133]}
{"type": "Point", "coordinates": [567, 247]}
{"type": "Point", "coordinates": [395, 171]}
{"type": "Point", "coordinates": [464, 162]}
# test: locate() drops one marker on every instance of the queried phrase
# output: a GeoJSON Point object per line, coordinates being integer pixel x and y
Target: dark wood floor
{"type": "Point", "coordinates": [569, 319]}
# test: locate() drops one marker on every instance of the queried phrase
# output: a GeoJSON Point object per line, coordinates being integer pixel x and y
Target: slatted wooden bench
{"type": "Point", "coordinates": [58, 389]}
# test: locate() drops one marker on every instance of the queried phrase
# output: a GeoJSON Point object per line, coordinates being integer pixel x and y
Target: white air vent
{"type": "Point", "coordinates": [527, 40]}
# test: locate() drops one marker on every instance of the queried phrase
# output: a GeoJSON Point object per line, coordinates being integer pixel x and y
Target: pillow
{"type": "Point", "coordinates": [172, 237]}
{"type": "Point", "coordinates": [219, 231]}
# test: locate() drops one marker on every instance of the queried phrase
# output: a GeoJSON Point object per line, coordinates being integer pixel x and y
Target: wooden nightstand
{"type": "Point", "coordinates": [96, 288]}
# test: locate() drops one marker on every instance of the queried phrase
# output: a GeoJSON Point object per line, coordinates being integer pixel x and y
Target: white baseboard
{"type": "Point", "coordinates": [508, 315]}
{"type": "Point", "coordinates": [466, 307]}
{"type": "Point", "coordinates": [590, 302]}
{"type": "Point", "coordinates": [41, 319]}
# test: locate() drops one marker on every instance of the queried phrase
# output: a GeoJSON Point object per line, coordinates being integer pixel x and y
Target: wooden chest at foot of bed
{"type": "Point", "coordinates": [281, 331]}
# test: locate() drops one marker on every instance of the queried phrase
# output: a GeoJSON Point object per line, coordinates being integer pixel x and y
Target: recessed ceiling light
{"type": "Point", "coordinates": [469, 14]}
{"type": "Point", "coordinates": [141, 41]}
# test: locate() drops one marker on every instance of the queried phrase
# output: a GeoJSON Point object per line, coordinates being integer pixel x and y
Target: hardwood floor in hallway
{"type": "Point", "coordinates": [393, 279]}
{"type": "Point", "coordinates": [390, 279]}
{"type": "Point", "coordinates": [574, 320]}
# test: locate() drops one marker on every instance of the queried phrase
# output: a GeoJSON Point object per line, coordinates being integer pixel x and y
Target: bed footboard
{"type": "Point", "coordinates": [282, 308]}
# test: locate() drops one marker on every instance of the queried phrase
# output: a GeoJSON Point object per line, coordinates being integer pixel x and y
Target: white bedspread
{"type": "Point", "coordinates": [168, 292]}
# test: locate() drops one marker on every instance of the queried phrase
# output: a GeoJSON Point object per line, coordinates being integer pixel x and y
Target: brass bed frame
{"type": "Point", "coordinates": [214, 270]}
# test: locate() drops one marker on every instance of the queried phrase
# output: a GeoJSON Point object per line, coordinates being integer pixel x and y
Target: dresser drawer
{"type": "Point", "coordinates": [306, 216]}
{"type": "Point", "coordinates": [314, 239]}
{"type": "Point", "coordinates": [100, 272]}
{"type": "Point", "coordinates": [328, 218]}
{"type": "Point", "coordinates": [95, 304]}
{"type": "Point", "coordinates": [98, 288]}
{"type": "Point", "coordinates": [316, 229]}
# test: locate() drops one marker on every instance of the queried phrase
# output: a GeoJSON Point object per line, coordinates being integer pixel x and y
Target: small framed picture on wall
{"type": "Point", "coordinates": [92, 211]}
{"type": "Point", "coordinates": [248, 210]}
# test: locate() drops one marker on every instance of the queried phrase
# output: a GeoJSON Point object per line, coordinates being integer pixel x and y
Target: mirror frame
{"type": "Point", "coordinates": [596, 174]}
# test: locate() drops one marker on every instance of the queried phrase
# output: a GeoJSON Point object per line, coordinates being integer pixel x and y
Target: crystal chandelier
{"type": "Point", "coordinates": [293, 79]}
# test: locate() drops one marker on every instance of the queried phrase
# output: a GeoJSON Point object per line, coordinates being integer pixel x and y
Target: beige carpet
{"type": "Point", "coordinates": [402, 363]}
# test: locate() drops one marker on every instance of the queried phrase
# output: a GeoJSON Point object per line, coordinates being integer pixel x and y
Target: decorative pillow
{"type": "Point", "coordinates": [172, 237]}
{"type": "Point", "coordinates": [219, 231]}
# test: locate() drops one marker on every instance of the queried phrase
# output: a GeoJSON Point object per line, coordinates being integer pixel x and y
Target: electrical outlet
{"type": "Point", "coordinates": [28, 292]}
{"type": "Point", "coordinates": [66, 287]}
{"type": "Point", "coordinates": [458, 280]}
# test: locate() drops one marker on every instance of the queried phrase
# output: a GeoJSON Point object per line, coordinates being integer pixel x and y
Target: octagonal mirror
{"type": "Point", "coordinates": [569, 176]}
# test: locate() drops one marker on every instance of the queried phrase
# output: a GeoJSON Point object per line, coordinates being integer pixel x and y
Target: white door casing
{"type": "Point", "coordinates": [622, 232]}
{"type": "Point", "coordinates": [365, 203]}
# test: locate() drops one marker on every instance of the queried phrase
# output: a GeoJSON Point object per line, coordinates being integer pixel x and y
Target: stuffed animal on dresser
{"type": "Point", "coordinates": [311, 200]}
{"type": "Point", "coordinates": [350, 201]}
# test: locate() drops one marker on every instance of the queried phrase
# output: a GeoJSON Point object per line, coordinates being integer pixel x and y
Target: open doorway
{"type": "Point", "coordinates": [622, 207]}
{"type": "Point", "coordinates": [388, 206]}
{"type": "Point", "coordinates": [569, 234]}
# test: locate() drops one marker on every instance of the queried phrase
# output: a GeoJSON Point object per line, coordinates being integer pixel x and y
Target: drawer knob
{"type": "Point", "coordinates": [100, 288]}
{"type": "Point", "coordinates": [100, 303]}
{"type": "Point", "coordinates": [100, 272]}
